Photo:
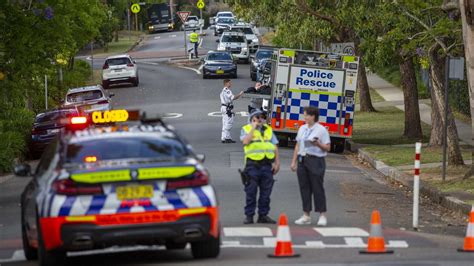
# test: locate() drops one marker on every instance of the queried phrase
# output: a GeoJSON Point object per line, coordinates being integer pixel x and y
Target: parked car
{"type": "Point", "coordinates": [218, 63]}
{"type": "Point", "coordinates": [46, 127]}
{"type": "Point", "coordinates": [223, 24]}
{"type": "Point", "coordinates": [88, 99]}
{"type": "Point", "coordinates": [119, 69]}
{"type": "Point", "coordinates": [236, 44]}
{"type": "Point", "coordinates": [255, 60]}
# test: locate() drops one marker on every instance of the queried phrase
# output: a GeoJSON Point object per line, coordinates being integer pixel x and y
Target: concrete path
{"type": "Point", "coordinates": [393, 94]}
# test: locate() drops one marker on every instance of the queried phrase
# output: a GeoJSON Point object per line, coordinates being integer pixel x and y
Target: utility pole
{"type": "Point", "coordinates": [467, 18]}
{"type": "Point", "coordinates": [172, 10]}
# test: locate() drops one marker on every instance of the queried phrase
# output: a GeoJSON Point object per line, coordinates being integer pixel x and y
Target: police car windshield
{"type": "Point", "coordinates": [225, 20]}
{"type": "Point", "coordinates": [263, 54]}
{"type": "Point", "coordinates": [84, 96]}
{"type": "Point", "coordinates": [233, 38]}
{"type": "Point", "coordinates": [244, 30]}
{"type": "Point", "coordinates": [219, 56]}
{"type": "Point", "coordinates": [126, 148]}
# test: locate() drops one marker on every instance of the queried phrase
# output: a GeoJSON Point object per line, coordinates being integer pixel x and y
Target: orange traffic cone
{"type": "Point", "coordinates": [284, 248]}
{"type": "Point", "coordinates": [376, 243]}
{"type": "Point", "coordinates": [469, 240]}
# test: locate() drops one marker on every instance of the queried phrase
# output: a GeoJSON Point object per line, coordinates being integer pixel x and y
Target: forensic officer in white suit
{"type": "Point", "coordinates": [227, 99]}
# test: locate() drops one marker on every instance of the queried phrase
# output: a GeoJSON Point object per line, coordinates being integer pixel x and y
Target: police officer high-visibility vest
{"type": "Point", "coordinates": [193, 37]}
{"type": "Point", "coordinates": [260, 147]}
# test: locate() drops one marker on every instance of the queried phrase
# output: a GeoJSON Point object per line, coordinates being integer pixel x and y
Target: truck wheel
{"type": "Point", "coordinates": [209, 248]}
{"type": "Point", "coordinates": [30, 252]}
{"type": "Point", "coordinates": [48, 258]}
{"type": "Point", "coordinates": [338, 145]}
{"type": "Point", "coordinates": [175, 246]}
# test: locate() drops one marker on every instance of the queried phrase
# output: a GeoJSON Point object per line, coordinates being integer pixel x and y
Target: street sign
{"type": "Point", "coordinates": [200, 4]}
{"type": "Point", "coordinates": [456, 68]}
{"type": "Point", "coordinates": [135, 8]}
{"type": "Point", "coordinates": [183, 15]}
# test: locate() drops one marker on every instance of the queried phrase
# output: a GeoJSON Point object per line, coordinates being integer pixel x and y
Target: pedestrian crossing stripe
{"type": "Point", "coordinates": [341, 231]}
{"type": "Point", "coordinates": [247, 231]}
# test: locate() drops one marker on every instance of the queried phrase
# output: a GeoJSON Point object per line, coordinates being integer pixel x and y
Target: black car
{"type": "Point", "coordinates": [264, 70]}
{"type": "Point", "coordinates": [117, 185]}
{"type": "Point", "coordinates": [219, 64]}
{"type": "Point", "coordinates": [46, 127]}
{"type": "Point", "coordinates": [255, 60]}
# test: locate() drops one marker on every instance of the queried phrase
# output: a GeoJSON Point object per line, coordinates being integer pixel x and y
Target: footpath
{"type": "Point", "coordinates": [458, 196]}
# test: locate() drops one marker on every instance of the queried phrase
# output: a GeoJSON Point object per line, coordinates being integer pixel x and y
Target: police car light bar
{"type": "Point", "coordinates": [78, 120]}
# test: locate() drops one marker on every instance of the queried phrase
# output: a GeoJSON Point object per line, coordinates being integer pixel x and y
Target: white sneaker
{"type": "Point", "coordinates": [303, 220]}
{"type": "Point", "coordinates": [323, 221]}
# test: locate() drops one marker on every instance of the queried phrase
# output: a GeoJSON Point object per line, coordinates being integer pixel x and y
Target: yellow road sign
{"type": "Point", "coordinates": [135, 8]}
{"type": "Point", "coordinates": [200, 4]}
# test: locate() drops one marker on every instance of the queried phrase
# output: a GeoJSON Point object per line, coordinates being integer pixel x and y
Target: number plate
{"type": "Point", "coordinates": [220, 72]}
{"type": "Point", "coordinates": [134, 192]}
{"type": "Point", "coordinates": [53, 131]}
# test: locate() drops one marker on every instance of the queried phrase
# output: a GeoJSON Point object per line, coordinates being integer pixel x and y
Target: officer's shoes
{"type": "Point", "coordinates": [228, 141]}
{"type": "Point", "coordinates": [265, 220]}
{"type": "Point", "coordinates": [248, 220]}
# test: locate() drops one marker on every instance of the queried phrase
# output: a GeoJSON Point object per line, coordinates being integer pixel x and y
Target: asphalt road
{"type": "Point", "coordinates": [353, 190]}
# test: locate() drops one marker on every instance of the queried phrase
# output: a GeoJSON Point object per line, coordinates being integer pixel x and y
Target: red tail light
{"type": "Point", "coordinates": [70, 188]}
{"type": "Point", "coordinates": [130, 65]}
{"type": "Point", "coordinates": [36, 131]}
{"type": "Point", "coordinates": [347, 123]}
{"type": "Point", "coordinates": [278, 117]}
{"type": "Point", "coordinates": [105, 66]}
{"type": "Point", "coordinates": [199, 178]}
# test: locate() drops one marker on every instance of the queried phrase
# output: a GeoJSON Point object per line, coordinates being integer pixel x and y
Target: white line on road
{"type": "Point", "coordinates": [157, 37]}
{"type": "Point", "coordinates": [341, 231]}
{"type": "Point", "coordinates": [17, 256]}
{"type": "Point", "coordinates": [190, 68]}
{"type": "Point", "coordinates": [247, 231]}
{"type": "Point", "coordinates": [219, 114]}
{"type": "Point", "coordinates": [173, 36]}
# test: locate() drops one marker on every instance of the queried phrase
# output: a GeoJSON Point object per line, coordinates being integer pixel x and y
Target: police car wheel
{"type": "Point", "coordinates": [209, 248]}
{"type": "Point", "coordinates": [30, 252]}
{"type": "Point", "coordinates": [175, 246]}
{"type": "Point", "coordinates": [48, 258]}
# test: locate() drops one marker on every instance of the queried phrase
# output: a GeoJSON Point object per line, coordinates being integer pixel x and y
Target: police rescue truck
{"type": "Point", "coordinates": [309, 78]}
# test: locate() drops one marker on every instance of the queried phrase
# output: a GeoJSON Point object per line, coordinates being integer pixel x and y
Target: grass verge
{"type": "Point", "coordinates": [396, 155]}
{"type": "Point", "coordinates": [123, 45]}
{"type": "Point", "coordinates": [384, 127]}
{"type": "Point", "coordinates": [374, 96]}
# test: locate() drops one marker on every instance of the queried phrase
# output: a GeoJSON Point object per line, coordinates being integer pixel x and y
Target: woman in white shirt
{"type": "Point", "coordinates": [308, 161]}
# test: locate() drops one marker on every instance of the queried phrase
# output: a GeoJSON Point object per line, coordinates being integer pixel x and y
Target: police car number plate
{"type": "Point", "coordinates": [220, 72]}
{"type": "Point", "coordinates": [134, 192]}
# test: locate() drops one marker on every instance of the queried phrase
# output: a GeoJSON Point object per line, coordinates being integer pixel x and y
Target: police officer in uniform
{"type": "Point", "coordinates": [227, 99]}
{"type": "Point", "coordinates": [194, 39]}
{"type": "Point", "coordinates": [261, 163]}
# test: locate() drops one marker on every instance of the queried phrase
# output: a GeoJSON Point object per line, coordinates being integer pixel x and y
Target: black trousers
{"type": "Point", "coordinates": [310, 173]}
{"type": "Point", "coordinates": [196, 45]}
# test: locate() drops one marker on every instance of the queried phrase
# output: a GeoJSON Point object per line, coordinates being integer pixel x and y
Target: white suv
{"type": "Point", "coordinates": [88, 99]}
{"type": "Point", "coordinates": [236, 44]}
{"type": "Point", "coordinates": [119, 69]}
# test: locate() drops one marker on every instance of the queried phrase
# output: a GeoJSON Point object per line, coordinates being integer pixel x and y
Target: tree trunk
{"type": "Point", "coordinates": [410, 98]}
{"type": "Point", "coordinates": [364, 91]}
{"type": "Point", "coordinates": [468, 34]}
{"type": "Point", "coordinates": [437, 63]}
{"type": "Point", "coordinates": [436, 137]}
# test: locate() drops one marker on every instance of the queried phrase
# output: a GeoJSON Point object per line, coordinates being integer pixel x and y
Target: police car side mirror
{"type": "Point", "coordinates": [22, 170]}
{"type": "Point", "coordinates": [201, 157]}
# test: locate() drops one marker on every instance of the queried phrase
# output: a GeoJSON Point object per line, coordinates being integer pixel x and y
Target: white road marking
{"type": "Point", "coordinates": [397, 244]}
{"type": "Point", "coordinates": [219, 114]}
{"type": "Point", "coordinates": [341, 231]}
{"type": "Point", "coordinates": [173, 36]}
{"type": "Point", "coordinates": [270, 242]}
{"type": "Point", "coordinates": [247, 231]}
{"type": "Point", "coordinates": [157, 37]}
{"type": "Point", "coordinates": [172, 115]}
{"type": "Point", "coordinates": [192, 69]}
{"type": "Point", "coordinates": [148, 63]}
{"type": "Point", "coordinates": [18, 255]}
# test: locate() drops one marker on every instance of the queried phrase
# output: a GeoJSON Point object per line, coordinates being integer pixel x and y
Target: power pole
{"type": "Point", "coordinates": [467, 17]}
{"type": "Point", "coordinates": [172, 11]}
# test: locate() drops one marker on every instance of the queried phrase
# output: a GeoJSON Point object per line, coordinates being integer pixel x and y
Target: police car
{"type": "Point", "coordinates": [118, 184]}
